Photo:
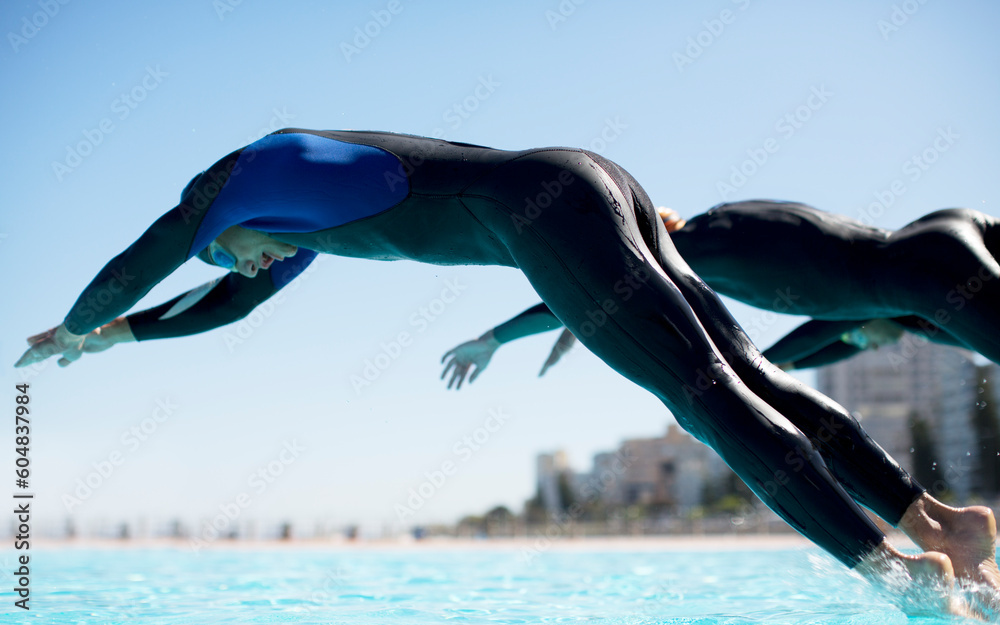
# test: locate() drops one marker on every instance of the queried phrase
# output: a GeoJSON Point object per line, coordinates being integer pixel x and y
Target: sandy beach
{"type": "Point", "coordinates": [728, 542]}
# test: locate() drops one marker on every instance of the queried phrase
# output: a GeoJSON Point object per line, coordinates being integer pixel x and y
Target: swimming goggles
{"type": "Point", "coordinates": [221, 257]}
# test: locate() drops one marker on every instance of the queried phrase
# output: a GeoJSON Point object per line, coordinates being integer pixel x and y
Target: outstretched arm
{"type": "Point", "coordinates": [123, 281]}
{"type": "Point", "coordinates": [808, 339]}
{"type": "Point", "coordinates": [216, 303]}
{"type": "Point", "coordinates": [827, 355]}
{"type": "Point", "coordinates": [211, 305]}
{"type": "Point", "coordinates": [170, 241]}
{"type": "Point", "coordinates": [564, 343]}
{"type": "Point", "coordinates": [478, 352]}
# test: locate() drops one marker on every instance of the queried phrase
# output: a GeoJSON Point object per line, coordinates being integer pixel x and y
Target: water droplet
{"type": "Point", "coordinates": [912, 450]}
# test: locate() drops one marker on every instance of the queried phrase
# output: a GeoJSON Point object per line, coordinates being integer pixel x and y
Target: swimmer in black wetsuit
{"type": "Point", "coordinates": [590, 242]}
{"type": "Point", "coordinates": [936, 277]}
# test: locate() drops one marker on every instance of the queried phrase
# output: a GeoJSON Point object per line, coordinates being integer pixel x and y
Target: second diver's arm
{"type": "Point", "coordinates": [808, 339]}
{"type": "Point", "coordinates": [827, 355]}
{"type": "Point", "coordinates": [216, 303]}
{"type": "Point", "coordinates": [478, 352]}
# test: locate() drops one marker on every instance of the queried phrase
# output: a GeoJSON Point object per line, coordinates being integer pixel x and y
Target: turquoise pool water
{"type": "Point", "coordinates": [418, 586]}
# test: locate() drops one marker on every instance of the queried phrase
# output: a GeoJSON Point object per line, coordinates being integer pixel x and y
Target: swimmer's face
{"type": "Point", "coordinates": [253, 250]}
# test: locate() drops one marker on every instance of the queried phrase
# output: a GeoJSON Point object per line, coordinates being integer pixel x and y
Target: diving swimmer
{"type": "Point", "coordinates": [863, 286]}
{"type": "Point", "coordinates": [579, 227]}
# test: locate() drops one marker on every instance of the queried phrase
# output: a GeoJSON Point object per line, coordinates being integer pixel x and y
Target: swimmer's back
{"type": "Point", "coordinates": [759, 251]}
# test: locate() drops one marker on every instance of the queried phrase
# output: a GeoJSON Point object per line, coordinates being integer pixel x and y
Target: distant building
{"type": "Point", "coordinates": [914, 380]}
{"type": "Point", "coordinates": [668, 472]}
{"type": "Point", "coordinates": [551, 468]}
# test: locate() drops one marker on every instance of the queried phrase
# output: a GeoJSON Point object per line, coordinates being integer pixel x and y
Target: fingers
{"type": "Point", "coordinates": [446, 354]}
{"type": "Point", "coordinates": [458, 377]}
{"type": "Point", "coordinates": [41, 336]}
{"type": "Point", "coordinates": [36, 353]}
{"type": "Point", "coordinates": [70, 356]}
{"type": "Point", "coordinates": [447, 368]}
{"type": "Point", "coordinates": [44, 345]}
{"type": "Point", "coordinates": [25, 359]}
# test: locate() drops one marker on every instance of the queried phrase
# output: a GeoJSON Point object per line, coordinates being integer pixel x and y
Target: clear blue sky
{"type": "Point", "coordinates": [111, 107]}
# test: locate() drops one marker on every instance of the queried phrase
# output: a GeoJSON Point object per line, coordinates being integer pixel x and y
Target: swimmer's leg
{"type": "Point", "coordinates": [587, 259]}
{"type": "Point", "coordinates": [859, 464]}
{"type": "Point", "coordinates": [966, 535]}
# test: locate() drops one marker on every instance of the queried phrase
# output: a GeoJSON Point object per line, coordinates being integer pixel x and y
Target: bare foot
{"type": "Point", "coordinates": [966, 535]}
{"type": "Point", "coordinates": [920, 582]}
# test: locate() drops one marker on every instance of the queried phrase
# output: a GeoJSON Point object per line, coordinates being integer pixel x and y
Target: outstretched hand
{"type": "Point", "coordinates": [60, 341]}
{"type": "Point", "coordinates": [563, 344]}
{"type": "Point", "coordinates": [471, 353]}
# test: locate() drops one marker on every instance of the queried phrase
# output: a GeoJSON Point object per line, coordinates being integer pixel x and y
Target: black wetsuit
{"type": "Point", "coordinates": [590, 242]}
{"type": "Point", "coordinates": [936, 277]}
